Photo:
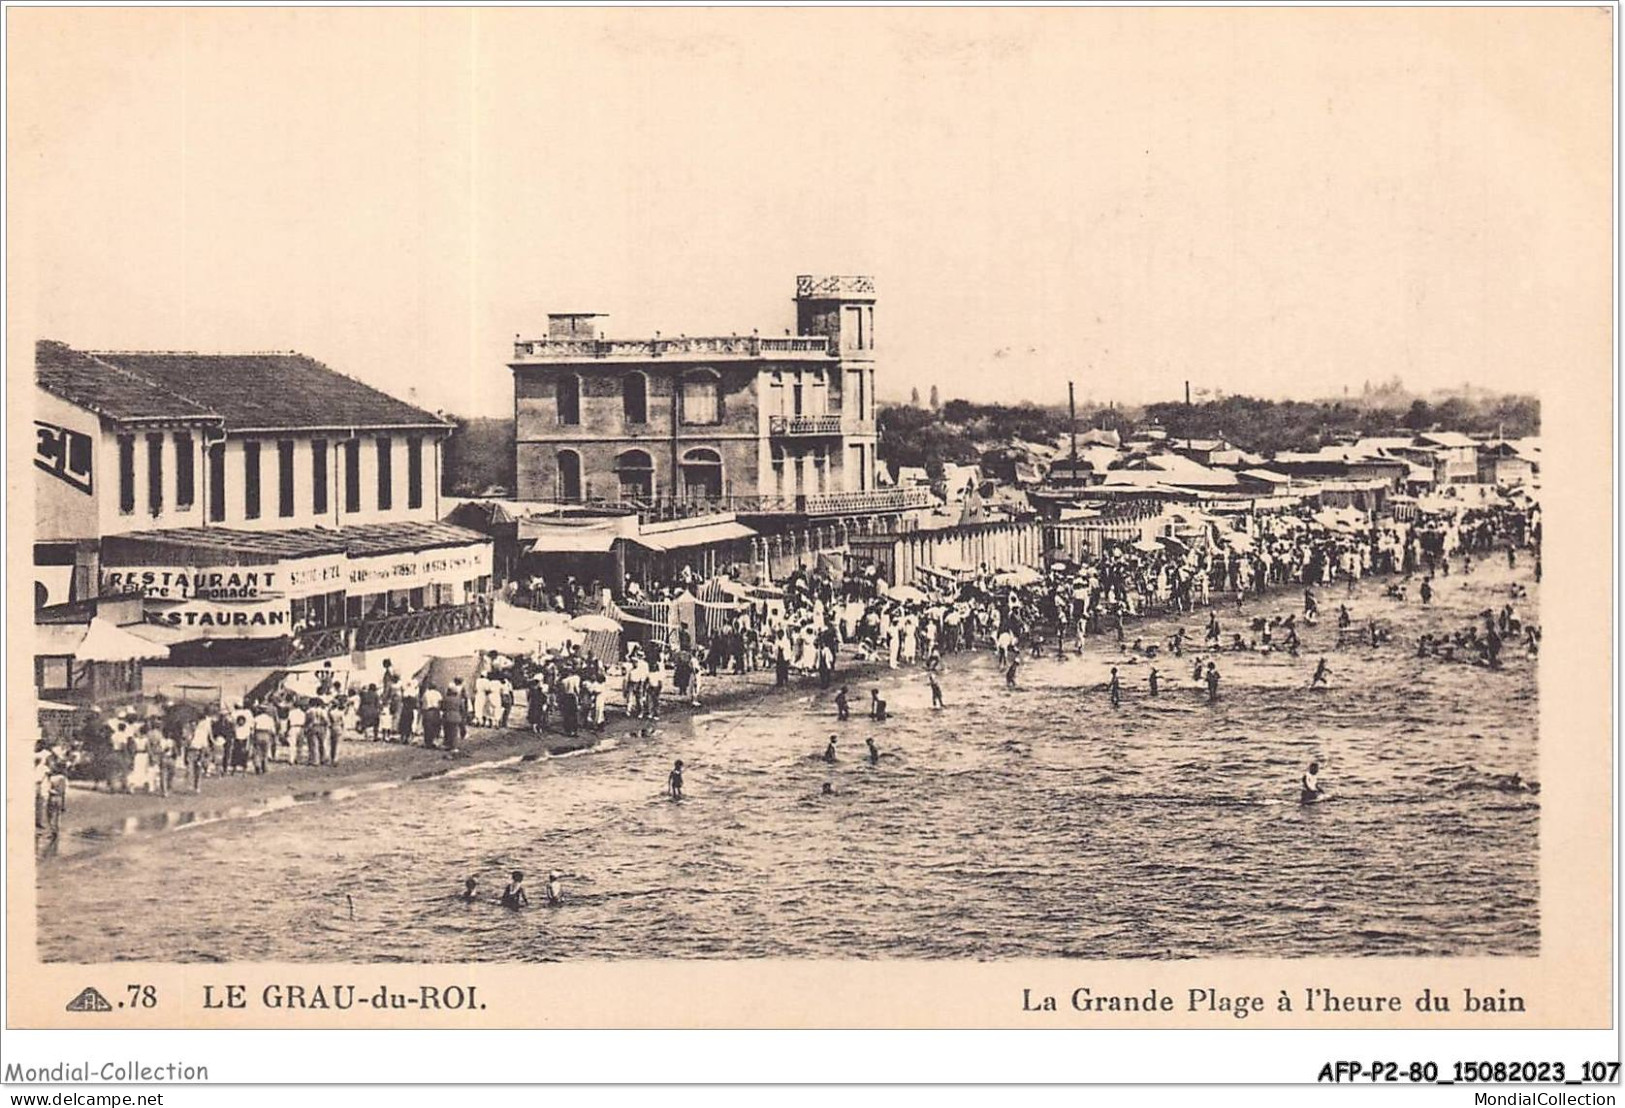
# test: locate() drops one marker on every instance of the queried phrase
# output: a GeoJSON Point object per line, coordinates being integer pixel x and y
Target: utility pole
{"type": "Point", "coordinates": [1187, 394]}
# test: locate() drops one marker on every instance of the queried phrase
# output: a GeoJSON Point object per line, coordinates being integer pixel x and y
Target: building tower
{"type": "Point", "coordinates": [842, 310]}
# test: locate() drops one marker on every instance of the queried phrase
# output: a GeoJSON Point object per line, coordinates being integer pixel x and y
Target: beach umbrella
{"type": "Point", "coordinates": [593, 622]}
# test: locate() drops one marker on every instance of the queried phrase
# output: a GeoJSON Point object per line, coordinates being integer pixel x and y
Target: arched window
{"type": "Point", "coordinates": [569, 399]}
{"type": "Point", "coordinates": [635, 471]}
{"type": "Point", "coordinates": [702, 474]}
{"type": "Point", "coordinates": [635, 397]}
{"type": "Point", "coordinates": [702, 397]}
{"type": "Point", "coordinates": [569, 475]}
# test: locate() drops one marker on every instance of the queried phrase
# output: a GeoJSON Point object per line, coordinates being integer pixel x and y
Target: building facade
{"type": "Point", "coordinates": [264, 508]}
{"type": "Point", "coordinates": [739, 422]}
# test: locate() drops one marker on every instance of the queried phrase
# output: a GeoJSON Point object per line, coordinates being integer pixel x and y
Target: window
{"type": "Point", "coordinates": [779, 456]}
{"type": "Point", "coordinates": [155, 474]}
{"type": "Point", "coordinates": [569, 475]}
{"type": "Point", "coordinates": [702, 474]}
{"type": "Point", "coordinates": [635, 397]}
{"type": "Point", "coordinates": [58, 673]}
{"type": "Point", "coordinates": [386, 473]}
{"type": "Point", "coordinates": [251, 480]}
{"type": "Point", "coordinates": [217, 481]}
{"type": "Point", "coordinates": [126, 474]}
{"type": "Point", "coordinates": [185, 471]}
{"type": "Point", "coordinates": [635, 471]}
{"type": "Point", "coordinates": [318, 476]}
{"type": "Point", "coordinates": [852, 328]}
{"type": "Point", "coordinates": [414, 473]}
{"type": "Point", "coordinates": [569, 399]}
{"type": "Point", "coordinates": [352, 475]}
{"type": "Point", "coordinates": [701, 399]}
{"type": "Point", "coordinates": [284, 478]}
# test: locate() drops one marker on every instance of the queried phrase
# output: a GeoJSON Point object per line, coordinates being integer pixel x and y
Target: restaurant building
{"type": "Point", "coordinates": [266, 509]}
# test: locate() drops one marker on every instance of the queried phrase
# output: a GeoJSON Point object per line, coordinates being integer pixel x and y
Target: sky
{"type": "Point", "coordinates": [1265, 201]}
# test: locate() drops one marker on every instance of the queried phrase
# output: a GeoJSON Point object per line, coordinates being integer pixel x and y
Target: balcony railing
{"type": "Point", "coordinates": [662, 507]}
{"type": "Point", "coordinates": [721, 346]}
{"type": "Point", "coordinates": [323, 642]}
{"type": "Point", "coordinates": [870, 500]}
{"type": "Point", "coordinates": [431, 623]}
{"type": "Point", "coordinates": [827, 424]}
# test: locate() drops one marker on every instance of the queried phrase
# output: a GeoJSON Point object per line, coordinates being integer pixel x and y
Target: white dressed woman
{"type": "Point", "coordinates": [141, 770]}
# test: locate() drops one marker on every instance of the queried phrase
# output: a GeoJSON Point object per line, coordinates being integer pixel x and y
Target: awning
{"type": "Point", "coordinates": [105, 641]}
{"type": "Point", "coordinates": [563, 538]}
{"type": "Point", "coordinates": [687, 538]}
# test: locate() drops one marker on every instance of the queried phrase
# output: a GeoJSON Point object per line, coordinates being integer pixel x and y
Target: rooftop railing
{"type": "Point", "coordinates": [716, 346]}
{"type": "Point", "coordinates": [869, 500]}
{"type": "Point", "coordinates": [809, 287]}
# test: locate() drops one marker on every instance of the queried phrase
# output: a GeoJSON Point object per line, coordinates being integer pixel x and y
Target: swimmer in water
{"type": "Point", "coordinates": [877, 706]}
{"type": "Point", "coordinates": [1212, 683]}
{"type": "Point", "coordinates": [874, 752]}
{"type": "Point", "coordinates": [936, 691]}
{"type": "Point", "coordinates": [829, 751]}
{"type": "Point", "coordinates": [674, 781]}
{"type": "Point", "coordinates": [1152, 678]}
{"type": "Point", "coordinates": [514, 896]}
{"type": "Point", "coordinates": [1115, 689]}
{"type": "Point", "coordinates": [1310, 783]}
{"type": "Point", "coordinates": [1321, 673]}
{"type": "Point", "coordinates": [470, 889]}
{"type": "Point", "coordinates": [842, 711]}
{"type": "Point", "coordinates": [555, 889]}
{"type": "Point", "coordinates": [828, 789]}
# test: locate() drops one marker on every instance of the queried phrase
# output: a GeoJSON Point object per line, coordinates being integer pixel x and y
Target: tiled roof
{"type": "Point", "coordinates": [271, 391]}
{"type": "Point", "coordinates": [229, 545]}
{"type": "Point", "coordinates": [90, 383]}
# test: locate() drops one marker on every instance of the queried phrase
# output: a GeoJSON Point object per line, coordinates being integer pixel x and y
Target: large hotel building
{"type": "Point", "coordinates": [744, 423]}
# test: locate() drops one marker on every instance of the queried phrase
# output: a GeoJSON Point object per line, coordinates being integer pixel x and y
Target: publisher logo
{"type": "Point", "coordinates": [89, 1001]}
